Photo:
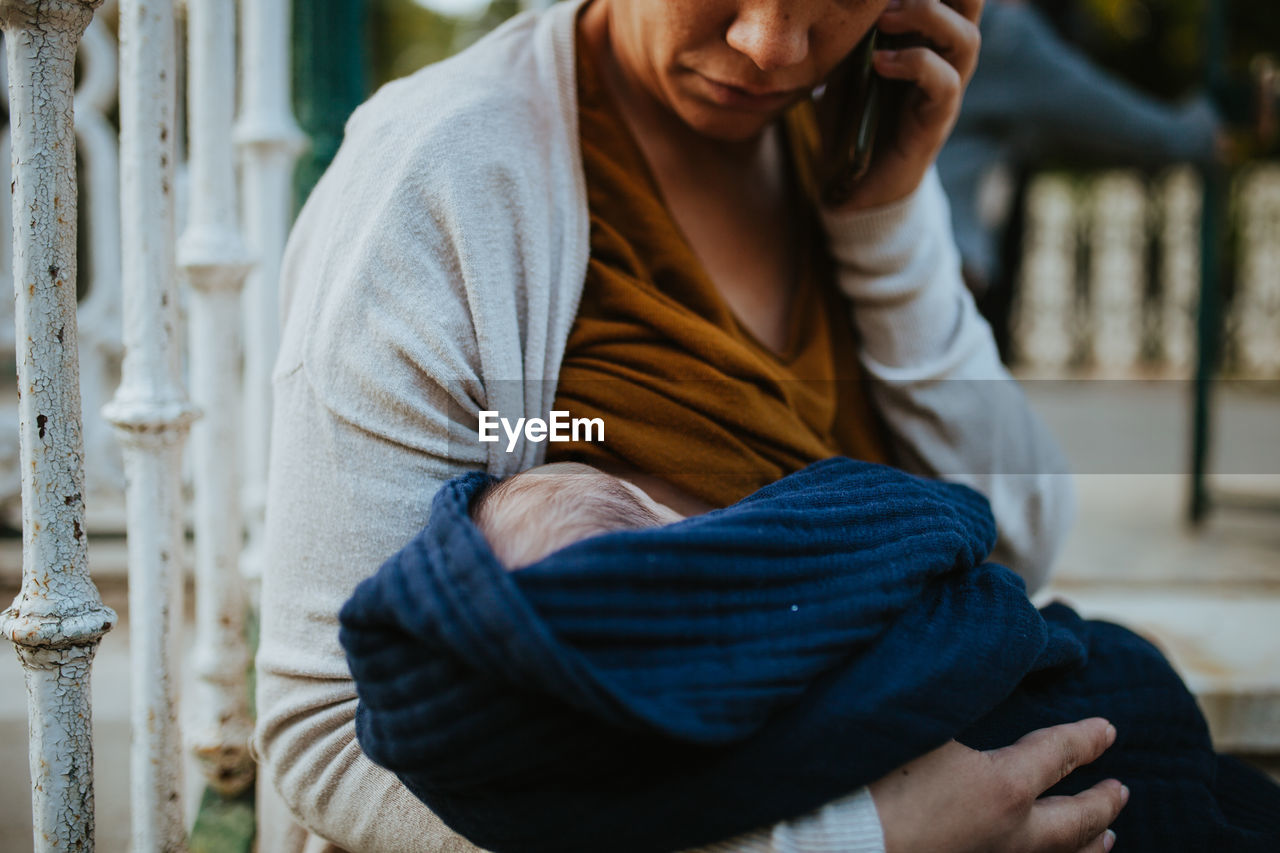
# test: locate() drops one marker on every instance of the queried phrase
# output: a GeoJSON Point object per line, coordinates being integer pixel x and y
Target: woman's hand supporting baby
{"type": "Point", "coordinates": [960, 800]}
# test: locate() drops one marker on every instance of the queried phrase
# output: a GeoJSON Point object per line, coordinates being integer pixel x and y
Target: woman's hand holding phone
{"type": "Point", "coordinates": [938, 67]}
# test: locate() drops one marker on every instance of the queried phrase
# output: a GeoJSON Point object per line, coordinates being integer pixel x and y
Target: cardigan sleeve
{"type": "Point", "coordinates": [341, 500]}
{"type": "Point", "coordinates": [375, 390]}
{"type": "Point", "coordinates": [953, 409]}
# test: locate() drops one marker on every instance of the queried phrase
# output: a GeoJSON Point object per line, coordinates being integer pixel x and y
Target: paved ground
{"type": "Point", "coordinates": [1210, 597]}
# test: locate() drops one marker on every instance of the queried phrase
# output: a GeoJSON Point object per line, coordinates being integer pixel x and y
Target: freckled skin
{"type": "Point", "coordinates": [664, 47]}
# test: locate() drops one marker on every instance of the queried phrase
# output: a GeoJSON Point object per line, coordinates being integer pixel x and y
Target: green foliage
{"type": "Point", "coordinates": [224, 824]}
{"type": "Point", "coordinates": [229, 824]}
{"type": "Point", "coordinates": [407, 36]}
{"type": "Point", "coordinates": [498, 11]}
{"type": "Point", "coordinates": [1161, 45]}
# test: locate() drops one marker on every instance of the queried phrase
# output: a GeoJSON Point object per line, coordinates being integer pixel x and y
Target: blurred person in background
{"type": "Point", "coordinates": [1035, 96]}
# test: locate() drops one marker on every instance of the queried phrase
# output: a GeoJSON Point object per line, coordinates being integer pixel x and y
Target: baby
{"type": "Point", "coordinates": [526, 517]}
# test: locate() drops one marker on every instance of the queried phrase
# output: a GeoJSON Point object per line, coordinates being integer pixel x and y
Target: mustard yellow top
{"type": "Point", "coordinates": [685, 391]}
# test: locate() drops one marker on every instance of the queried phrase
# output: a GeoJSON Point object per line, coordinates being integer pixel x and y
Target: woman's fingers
{"type": "Point", "coordinates": [1041, 759]}
{"type": "Point", "coordinates": [938, 81]}
{"type": "Point", "coordinates": [1102, 844]}
{"type": "Point", "coordinates": [1079, 822]}
{"type": "Point", "coordinates": [949, 31]}
{"type": "Point", "coordinates": [938, 64]}
{"type": "Point", "coordinates": [1045, 757]}
{"type": "Point", "coordinates": [971, 9]}
{"type": "Point", "coordinates": [957, 799]}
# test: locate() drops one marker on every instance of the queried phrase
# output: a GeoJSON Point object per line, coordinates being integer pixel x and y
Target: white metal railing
{"type": "Point", "coordinates": [270, 142]}
{"type": "Point", "coordinates": [151, 415]}
{"type": "Point", "coordinates": [58, 618]}
{"type": "Point", "coordinates": [215, 262]}
{"type": "Point", "coordinates": [98, 323]}
{"type": "Point", "coordinates": [1085, 295]}
{"type": "Point", "coordinates": [1254, 317]}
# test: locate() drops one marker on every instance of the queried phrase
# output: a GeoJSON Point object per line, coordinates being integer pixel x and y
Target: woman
{"type": "Point", "coordinates": [464, 254]}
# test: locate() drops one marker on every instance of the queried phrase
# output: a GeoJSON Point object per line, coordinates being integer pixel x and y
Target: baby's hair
{"type": "Point", "coordinates": [526, 517]}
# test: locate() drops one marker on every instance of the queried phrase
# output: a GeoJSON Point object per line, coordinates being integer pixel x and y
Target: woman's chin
{"type": "Point", "coordinates": [726, 125]}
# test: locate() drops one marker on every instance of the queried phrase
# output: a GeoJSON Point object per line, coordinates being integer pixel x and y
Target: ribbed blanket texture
{"type": "Point", "coordinates": [660, 689]}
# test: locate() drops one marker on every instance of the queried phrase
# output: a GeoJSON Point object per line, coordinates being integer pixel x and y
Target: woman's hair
{"type": "Point", "coordinates": [528, 516]}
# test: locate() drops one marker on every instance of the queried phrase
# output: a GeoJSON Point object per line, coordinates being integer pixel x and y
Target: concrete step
{"type": "Point", "coordinates": [1209, 597]}
{"type": "Point", "coordinates": [1225, 645]}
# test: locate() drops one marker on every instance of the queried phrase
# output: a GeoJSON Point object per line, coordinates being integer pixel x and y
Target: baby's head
{"type": "Point", "coordinates": [528, 516]}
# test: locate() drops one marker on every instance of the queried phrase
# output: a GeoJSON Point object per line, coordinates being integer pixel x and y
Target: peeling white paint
{"type": "Point", "coordinates": [151, 415]}
{"type": "Point", "coordinates": [58, 618]}
{"type": "Point", "coordinates": [215, 261]}
{"type": "Point", "coordinates": [270, 142]}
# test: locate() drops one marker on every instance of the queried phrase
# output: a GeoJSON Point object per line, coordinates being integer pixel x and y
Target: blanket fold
{"type": "Point", "coordinates": [659, 689]}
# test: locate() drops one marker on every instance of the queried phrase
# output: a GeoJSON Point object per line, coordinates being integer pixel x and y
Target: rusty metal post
{"type": "Point", "coordinates": [58, 617]}
{"type": "Point", "coordinates": [151, 416]}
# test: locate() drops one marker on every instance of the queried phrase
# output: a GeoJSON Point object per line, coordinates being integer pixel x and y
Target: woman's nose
{"type": "Point", "coordinates": [769, 36]}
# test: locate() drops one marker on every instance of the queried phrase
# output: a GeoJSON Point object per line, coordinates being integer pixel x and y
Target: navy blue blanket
{"type": "Point", "coordinates": [659, 689]}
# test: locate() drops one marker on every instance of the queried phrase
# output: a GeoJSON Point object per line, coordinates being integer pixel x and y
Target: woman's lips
{"type": "Point", "coordinates": [738, 98]}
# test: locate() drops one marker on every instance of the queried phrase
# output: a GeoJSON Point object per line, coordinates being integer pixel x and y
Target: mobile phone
{"type": "Point", "coordinates": [836, 128]}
